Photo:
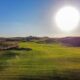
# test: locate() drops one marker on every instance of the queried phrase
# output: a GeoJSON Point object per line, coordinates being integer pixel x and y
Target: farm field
{"type": "Point", "coordinates": [43, 62]}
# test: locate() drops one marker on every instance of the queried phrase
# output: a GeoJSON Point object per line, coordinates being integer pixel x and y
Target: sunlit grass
{"type": "Point", "coordinates": [42, 60]}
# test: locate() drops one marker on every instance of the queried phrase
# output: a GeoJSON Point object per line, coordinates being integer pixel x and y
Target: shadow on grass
{"type": "Point", "coordinates": [4, 57]}
{"type": "Point", "coordinates": [26, 49]}
{"type": "Point", "coordinates": [68, 75]}
{"type": "Point", "coordinates": [8, 54]}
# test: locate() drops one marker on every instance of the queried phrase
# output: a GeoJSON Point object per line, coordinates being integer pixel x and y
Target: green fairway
{"type": "Point", "coordinates": [43, 62]}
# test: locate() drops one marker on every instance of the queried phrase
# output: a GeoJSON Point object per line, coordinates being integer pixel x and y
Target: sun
{"type": "Point", "coordinates": [67, 18]}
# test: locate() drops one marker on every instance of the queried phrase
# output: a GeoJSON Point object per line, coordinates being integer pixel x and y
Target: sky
{"type": "Point", "coordinates": [32, 17]}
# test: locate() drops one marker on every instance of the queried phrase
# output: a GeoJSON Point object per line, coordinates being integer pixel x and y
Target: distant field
{"type": "Point", "coordinates": [43, 62]}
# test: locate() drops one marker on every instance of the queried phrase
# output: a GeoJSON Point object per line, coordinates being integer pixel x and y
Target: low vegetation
{"type": "Point", "coordinates": [42, 62]}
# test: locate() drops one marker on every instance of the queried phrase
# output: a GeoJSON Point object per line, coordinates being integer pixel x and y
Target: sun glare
{"type": "Point", "coordinates": [67, 18]}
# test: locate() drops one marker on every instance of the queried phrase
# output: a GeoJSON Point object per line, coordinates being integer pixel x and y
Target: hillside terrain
{"type": "Point", "coordinates": [42, 62]}
{"type": "Point", "coordinates": [66, 41]}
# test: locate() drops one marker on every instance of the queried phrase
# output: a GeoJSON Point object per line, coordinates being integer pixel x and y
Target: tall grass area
{"type": "Point", "coordinates": [43, 62]}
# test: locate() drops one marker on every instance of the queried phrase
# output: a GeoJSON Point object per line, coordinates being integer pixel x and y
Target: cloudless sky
{"type": "Point", "coordinates": [26, 17]}
{"type": "Point", "coordinates": [21, 17]}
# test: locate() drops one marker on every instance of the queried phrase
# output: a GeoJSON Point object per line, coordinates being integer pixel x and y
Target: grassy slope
{"type": "Point", "coordinates": [44, 61]}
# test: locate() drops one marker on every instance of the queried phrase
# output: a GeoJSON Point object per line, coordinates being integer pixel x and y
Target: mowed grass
{"type": "Point", "coordinates": [43, 62]}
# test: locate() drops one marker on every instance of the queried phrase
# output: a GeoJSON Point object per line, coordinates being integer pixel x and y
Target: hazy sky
{"type": "Point", "coordinates": [32, 17]}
